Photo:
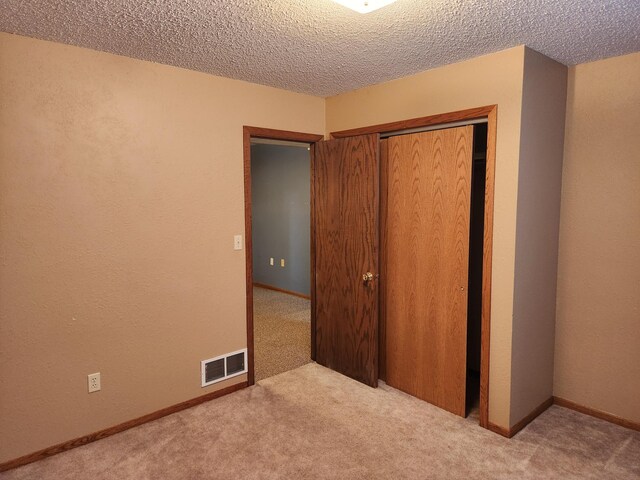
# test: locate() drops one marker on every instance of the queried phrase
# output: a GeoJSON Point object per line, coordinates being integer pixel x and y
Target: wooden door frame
{"type": "Point", "coordinates": [489, 112]}
{"type": "Point", "coordinates": [258, 132]}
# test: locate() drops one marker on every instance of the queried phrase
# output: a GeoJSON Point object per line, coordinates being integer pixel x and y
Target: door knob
{"type": "Point", "coordinates": [367, 277]}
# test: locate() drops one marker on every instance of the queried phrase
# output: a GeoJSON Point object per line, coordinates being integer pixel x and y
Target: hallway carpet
{"type": "Point", "coordinates": [312, 423]}
{"type": "Point", "coordinates": [282, 332]}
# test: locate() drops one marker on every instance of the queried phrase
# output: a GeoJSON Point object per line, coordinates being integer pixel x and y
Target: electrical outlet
{"type": "Point", "coordinates": [282, 262]}
{"type": "Point", "coordinates": [94, 382]}
{"type": "Point", "coordinates": [237, 242]}
{"type": "Point", "coordinates": [271, 261]}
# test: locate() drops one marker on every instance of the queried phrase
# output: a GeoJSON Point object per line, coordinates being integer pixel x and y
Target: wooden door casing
{"type": "Point", "coordinates": [248, 133]}
{"type": "Point", "coordinates": [426, 251]}
{"type": "Point", "coordinates": [346, 246]}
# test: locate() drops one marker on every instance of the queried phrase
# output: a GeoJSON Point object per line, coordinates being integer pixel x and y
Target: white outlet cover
{"type": "Point", "coordinates": [237, 242]}
{"type": "Point", "coordinates": [93, 382]}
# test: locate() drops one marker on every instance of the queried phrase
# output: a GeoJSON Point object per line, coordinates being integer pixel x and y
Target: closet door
{"type": "Point", "coordinates": [346, 214]}
{"type": "Point", "coordinates": [426, 251]}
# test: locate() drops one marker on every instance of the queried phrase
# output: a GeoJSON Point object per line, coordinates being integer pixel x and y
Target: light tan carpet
{"type": "Point", "coordinates": [282, 332]}
{"type": "Point", "coordinates": [312, 423]}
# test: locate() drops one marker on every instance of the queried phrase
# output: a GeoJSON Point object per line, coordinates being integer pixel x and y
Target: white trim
{"type": "Point", "coordinates": [203, 383]}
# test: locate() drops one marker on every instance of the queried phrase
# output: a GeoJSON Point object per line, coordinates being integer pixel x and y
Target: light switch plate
{"type": "Point", "coordinates": [237, 242]}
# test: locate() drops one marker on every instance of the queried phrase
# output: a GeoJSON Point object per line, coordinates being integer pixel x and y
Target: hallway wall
{"type": "Point", "coordinates": [281, 211]}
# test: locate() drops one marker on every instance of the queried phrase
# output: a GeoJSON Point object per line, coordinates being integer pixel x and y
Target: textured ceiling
{"type": "Point", "coordinates": [322, 48]}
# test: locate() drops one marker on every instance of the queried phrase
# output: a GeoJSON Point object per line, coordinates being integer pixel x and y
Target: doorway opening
{"type": "Point", "coordinates": [279, 250]}
{"type": "Point", "coordinates": [476, 241]}
{"type": "Point", "coordinates": [281, 208]}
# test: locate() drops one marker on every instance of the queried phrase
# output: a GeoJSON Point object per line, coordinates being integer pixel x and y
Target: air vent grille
{"type": "Point", "coordinates": [235, 363]}
{"type": "Point", "coordinates": [214, 370]}
{"type": "Point", "coordinates": [225, 366]}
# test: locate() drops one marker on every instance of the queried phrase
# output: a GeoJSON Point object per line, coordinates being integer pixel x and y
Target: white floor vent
{"type": "Point", "coordinates": [223, 367]}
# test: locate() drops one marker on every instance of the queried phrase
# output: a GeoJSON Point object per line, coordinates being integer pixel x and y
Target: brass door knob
{"type": "Point", "coordinates": [367, 277]}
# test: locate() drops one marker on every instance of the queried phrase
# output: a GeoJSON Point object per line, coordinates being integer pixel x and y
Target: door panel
{"type": "Point", "coordinates": [427, 212]}
{"type": "Point", "coordinates": [346, 247]}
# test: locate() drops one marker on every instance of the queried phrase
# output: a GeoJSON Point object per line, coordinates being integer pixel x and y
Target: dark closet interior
{"type": "Point", "coordinates": [476, 237]}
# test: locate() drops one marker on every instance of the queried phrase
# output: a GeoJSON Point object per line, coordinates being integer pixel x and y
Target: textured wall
{"type": "Point", "coordinates": [280, 208]}
{"type": "Point", "coordinates": [492, 79]}
{"type": "Point", "coordinates": [121, 187]}
{"type": "Point", "coordinates": [539, 184]}
{"type": "Point", "coordinates": [597, 361]}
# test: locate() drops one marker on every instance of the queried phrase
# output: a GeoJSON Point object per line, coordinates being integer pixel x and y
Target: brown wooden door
{"type": "Point", "coordinates": [426, 256]}
{"type": "Point", "coordinates": [346, 247]}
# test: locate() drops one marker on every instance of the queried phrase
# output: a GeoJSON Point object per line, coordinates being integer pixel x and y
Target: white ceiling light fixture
{"type": "Point", "coordinates": [364, 6]}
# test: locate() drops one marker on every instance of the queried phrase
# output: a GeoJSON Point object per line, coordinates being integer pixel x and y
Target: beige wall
{"type": "Point", "coordinates": [597, 360]}
{"type": "Point", "coordinates": [540, 178]}
{"type": "Point", "coordinates": [121, 187]}
{"type": "Point", "coordinates": [492, 79]}
{"type": "Point", "coordinates": [121, 190]}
